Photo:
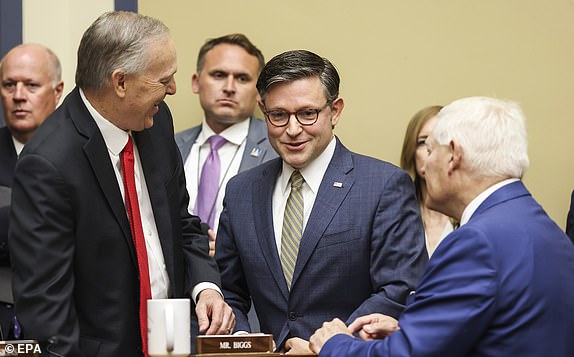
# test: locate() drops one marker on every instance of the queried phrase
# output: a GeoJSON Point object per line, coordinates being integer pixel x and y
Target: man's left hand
{"type": "Point", "coordinates": [214, 316]}
{"type": "Point", "coordinates": [322, 335]}
{"type": "Point", "coordinates": [297, 346]}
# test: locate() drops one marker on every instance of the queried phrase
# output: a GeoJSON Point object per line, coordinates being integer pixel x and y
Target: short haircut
{"type": "Point", "coordinates": [116, 40]}
{"type": "Point", "coordinates": [491, 133]}
{"type": "Point", "coordinates": [54, 66]}
{"type": "Point", "coordinates": [293, 65]}
{"type": "Point", "coordinates": [236, 39]}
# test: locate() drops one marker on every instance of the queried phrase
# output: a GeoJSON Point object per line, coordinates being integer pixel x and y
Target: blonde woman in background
{"type": "Point", "coordinates": [413, 157]}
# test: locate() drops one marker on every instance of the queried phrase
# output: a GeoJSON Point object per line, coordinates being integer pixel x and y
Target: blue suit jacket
{"type": "Point", "coordinates": [362, 250]}
{"type": "Point", "coordinates": [256, 139]}
{"type": "Point", "coordinates": [500, 285]}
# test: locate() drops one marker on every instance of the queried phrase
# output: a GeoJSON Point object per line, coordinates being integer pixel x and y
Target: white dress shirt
{"type": "Point", "coordinates": [313, 175]}
{"type": "Point", "coordinates": [230, 155]}
{"type": "Point", "coordinates": [18, 146]}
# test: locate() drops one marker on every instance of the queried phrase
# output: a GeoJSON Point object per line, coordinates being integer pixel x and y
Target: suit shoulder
{"type": "Point", "coordinates": [258, 123]}
{"type": "Point", "coordinates": [55, 133]}
{"type": "Point", "coordinates": [263, 169]}
{"type": "Point", "coordinates": [363, 161]}
{"type": "Point", "coordinates": [186, 133]}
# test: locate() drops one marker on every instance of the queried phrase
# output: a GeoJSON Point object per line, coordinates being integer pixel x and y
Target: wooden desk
{"type": "Point", "coordinates": [254, 354]}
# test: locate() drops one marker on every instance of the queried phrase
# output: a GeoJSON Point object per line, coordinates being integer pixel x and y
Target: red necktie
{"type": "Point", "coordinates": [134, 216]}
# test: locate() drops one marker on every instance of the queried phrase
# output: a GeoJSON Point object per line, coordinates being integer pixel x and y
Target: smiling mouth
{"type": "Point", "coordinates": [295, 146]}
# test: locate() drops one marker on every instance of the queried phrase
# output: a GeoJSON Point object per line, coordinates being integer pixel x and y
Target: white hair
{"type": "Point", "coordinates": [491, 133]}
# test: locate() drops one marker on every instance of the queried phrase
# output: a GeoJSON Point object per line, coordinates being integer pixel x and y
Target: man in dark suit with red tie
{"type": "Point", "coordinates": [84, 261]}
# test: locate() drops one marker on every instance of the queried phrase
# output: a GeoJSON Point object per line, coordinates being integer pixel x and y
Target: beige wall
{"type": "Point", "coordinates": [395, 57]}
{"type": "Point", "coordinates": [60, 24]}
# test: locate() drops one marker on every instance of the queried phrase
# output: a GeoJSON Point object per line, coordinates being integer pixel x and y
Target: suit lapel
{"type": "Point", "coordinates": [254, 152]}
{"type": "Point", "coordinates": [186, 141]}
{"type": "Point", "coordinates": [97, 154]}
{"type": "Point", "coordinates": [262, 189]}
{"type": "Point", "coordinates": [335, 186]}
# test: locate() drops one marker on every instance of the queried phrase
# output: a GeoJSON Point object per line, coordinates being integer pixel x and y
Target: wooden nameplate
{"type": "Point", "coordinates": [260, 344]}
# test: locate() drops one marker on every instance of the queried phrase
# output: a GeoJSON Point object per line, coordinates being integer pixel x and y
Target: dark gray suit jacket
{"type": "Point", "coordinates": [75, 267]}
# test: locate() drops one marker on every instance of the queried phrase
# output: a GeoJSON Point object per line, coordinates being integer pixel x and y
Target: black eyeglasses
{"type": "Point", "coordinates": [307, 116]}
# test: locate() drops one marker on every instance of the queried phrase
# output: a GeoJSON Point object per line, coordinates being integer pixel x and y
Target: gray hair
{"type": "Point", "coordinates": [116, 40]}
{"type": "Point", "coordinates": [293, 65]}
{"type": "Point", "coordinates": [491, 133]}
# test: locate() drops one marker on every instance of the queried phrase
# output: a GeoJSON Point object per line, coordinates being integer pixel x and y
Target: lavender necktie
{"type": "Point", "coordinates": [209, 182]}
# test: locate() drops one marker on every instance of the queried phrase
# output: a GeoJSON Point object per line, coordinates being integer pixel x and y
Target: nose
{"type": "Point", "coordinates": [229, 85]}
{"type": "Point", "coordinates": [293, 126]}
{"type": "Point", "coordinates": [171, 87]}
{"type": "Point", "coordinates": [19, 92]}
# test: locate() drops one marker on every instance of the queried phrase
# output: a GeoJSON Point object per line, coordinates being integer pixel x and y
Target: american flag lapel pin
{"type": "Point", "coordinates": [255, 152]}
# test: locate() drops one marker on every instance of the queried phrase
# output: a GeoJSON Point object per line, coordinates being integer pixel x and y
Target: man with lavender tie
{"type": "Point", "coordinates": [227, 70]}
{"type": "Point", "coordinates": [230, 139]}
{"type": "Point", "coordinates": [210, 173]}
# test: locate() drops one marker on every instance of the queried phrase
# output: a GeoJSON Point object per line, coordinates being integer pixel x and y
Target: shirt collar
{"type": "Point", "coordinates": [114, 137]}
{"type": "Point", "coordinates": [477, 201]}
{"type": "Point", "coordinates": [18, 146]}
{"type": "Point", "coordinates": [312, 173]}
{"type": "Point", "coordinates": [235, 134]}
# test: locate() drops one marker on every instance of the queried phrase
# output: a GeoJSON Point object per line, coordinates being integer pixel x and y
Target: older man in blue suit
{"type": "Point", "coordinates": [321, 231]}
{"type": "Point", "coordinates": [501, 284]}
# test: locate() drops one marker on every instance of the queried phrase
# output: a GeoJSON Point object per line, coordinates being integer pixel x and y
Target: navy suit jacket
{"type": "Point", "coordinates": [362, 250]}
{"type": "Point", "coordinates": [500, 285]}
{"type": "Point", "coordinates": [256, 140]}
{"type": "Point", "coordinates": [75, 267]}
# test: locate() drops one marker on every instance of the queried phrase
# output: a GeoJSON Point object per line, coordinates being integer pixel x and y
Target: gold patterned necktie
{"type": "Point", "coordinates": [292, 227]}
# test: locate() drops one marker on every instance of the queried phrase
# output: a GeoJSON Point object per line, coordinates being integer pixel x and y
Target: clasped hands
{"type": "Point", "coordinates": [368, 327]}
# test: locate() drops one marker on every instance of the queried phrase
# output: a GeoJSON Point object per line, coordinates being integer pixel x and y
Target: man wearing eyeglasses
{"type": "Point", "coordinates": [320, 232]}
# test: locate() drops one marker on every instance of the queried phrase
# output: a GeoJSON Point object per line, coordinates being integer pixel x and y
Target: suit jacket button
{"type": "Point", "coordinates": [292, 316]}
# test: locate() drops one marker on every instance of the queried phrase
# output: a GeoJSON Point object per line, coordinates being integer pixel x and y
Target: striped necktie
{"type": "Point", "coordinates": [292, 227]}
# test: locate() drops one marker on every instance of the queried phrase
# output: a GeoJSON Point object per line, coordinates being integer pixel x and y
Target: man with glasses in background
{"type": "Point", "coordinates": [321, 231]}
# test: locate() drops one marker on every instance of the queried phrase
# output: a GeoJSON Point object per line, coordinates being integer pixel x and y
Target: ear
{"type": "Point", "coordinates": [119, 82]}
{"type": "Point", "coordinates": [336, 110]}
{"type": "Point", "coordinates": [455, 160]}
{"type": "Point", "coordinates": [59, 90]}
{"type": "Point", "coordinates": [195, 83]}
{"type": "Point", "coordinates": [260, 103]}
